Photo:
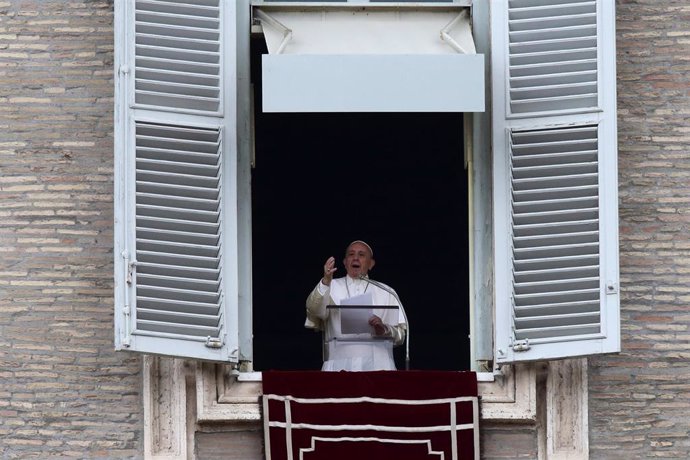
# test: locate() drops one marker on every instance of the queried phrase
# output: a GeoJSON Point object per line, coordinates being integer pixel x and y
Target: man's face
{"type": "Point", "coordinates": [358, 260]}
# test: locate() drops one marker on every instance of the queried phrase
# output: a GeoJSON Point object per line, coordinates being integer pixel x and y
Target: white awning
{"type": "Point", "coordinates": [370, 60]}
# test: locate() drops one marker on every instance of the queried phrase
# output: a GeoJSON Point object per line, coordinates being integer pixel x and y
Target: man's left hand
{"type": "Point", "coordinates": [378, 325]}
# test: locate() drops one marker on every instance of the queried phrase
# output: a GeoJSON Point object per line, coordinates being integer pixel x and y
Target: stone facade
{"type": "Point", "coordinates": [639, 400]}
{"type": "Point", "coordinates": [65, 392]}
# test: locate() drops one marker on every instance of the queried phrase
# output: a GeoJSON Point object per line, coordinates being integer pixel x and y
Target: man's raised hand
{"type": "Point", "coordinates": [328, 269]}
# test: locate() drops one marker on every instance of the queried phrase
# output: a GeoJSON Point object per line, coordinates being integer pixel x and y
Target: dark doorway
{"type": "Point", "coordinates": [394, 180]}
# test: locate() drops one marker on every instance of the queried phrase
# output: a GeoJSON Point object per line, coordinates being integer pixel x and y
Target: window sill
{"type": "Point", "coordinates": [508, 396]}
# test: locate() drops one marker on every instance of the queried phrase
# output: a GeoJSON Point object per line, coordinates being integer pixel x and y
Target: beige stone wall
{"type": "Point", "coordinates": [63, 390]}
{"type": "Point", "coordinates": [640, 400]}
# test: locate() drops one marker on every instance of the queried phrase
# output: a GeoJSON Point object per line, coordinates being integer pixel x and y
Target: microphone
{"type": "Point", "coordinates": [402, 309]}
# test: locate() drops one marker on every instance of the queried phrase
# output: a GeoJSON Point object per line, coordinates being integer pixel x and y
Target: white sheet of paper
{"type": "Point", "coordinates": [356, 320]}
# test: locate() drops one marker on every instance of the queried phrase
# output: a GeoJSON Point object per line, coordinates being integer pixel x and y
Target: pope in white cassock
{"type": "Point", "coordinates": [355, 352]}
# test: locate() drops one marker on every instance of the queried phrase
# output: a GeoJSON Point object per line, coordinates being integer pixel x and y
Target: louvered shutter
{"type": "Point", "coordinates": [555, 178]}
{"type": "Point", "coordinates": [175, 178]}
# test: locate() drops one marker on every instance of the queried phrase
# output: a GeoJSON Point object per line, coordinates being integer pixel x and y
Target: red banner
{"type": "Point", "coordinates": [371, 415]}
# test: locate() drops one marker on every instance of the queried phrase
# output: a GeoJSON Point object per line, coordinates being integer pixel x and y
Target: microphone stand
{"type": "Point", "coordinates": [402, 309]}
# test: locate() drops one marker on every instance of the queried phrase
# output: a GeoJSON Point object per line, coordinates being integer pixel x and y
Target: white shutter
{"type": "Point", "coordinates": [175, 179]}
{"type": "Point", "coordinates": [555, 179]}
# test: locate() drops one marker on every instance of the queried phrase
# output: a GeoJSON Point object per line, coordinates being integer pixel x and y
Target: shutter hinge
{"type": "Point", "coordinates": [126, 311]}
{"type": "Point", "coordinates": [129, 267]}
{"type": "Point", "coordinates": [130, 270]}
{"type": "Point", "coordinates": [214, 342]}
{"type": "Point", "coordinates": [124, 69]}
{"type": "Point", "coordinates": [521, 345]}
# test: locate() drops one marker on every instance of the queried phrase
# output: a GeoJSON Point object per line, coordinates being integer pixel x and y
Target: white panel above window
{"type": "Point", "coordinates": [370, 59]}
{"type": "Point", "coordinates": [366, 31]}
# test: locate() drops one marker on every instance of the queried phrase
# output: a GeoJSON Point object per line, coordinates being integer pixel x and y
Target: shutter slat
{"type": "Point", "coordinates": [559, 331]}
{"type": "Point", "coordinates": [180, 283]}
{"type": "Point", "coordinates": [544, 159]}
{"type": "Point", "coordinates": [553, 263]}
{"type": "Point", "coordinates": [556, 204]}
{"type": "Point", "coordinates": [549, 9]}
{"type": "Point", "coordinates": [169, 212]}
{"type": "Point", "coordinates": [191, 295]}
{"type": "Point", "coordinates": [549, 240]}
{"type": "Point", "coordinates": [549, 217]}
{"type": "Point", "coordinates": [178, 331]}
{"type": "Point", "coordinates": [553, 286]}
{"type": "Point", "coordinates": [554, 297]}
{"type": "Point", "coordinates": [176, 202]}
{"type": "Point", "coordinates": [535, 252]}
{"type": "Point", "coordinates": [176, 155]}
{"type": "Point", "coordinates": [177, 236]}
{"type": "Point", "coordinates": [552, 57]}
{"type": "Point", "coordinates": [176, 318]}
{"type": "Point", "coordinates": [177, 179]}
{"type": "Point", "coordinates": [562, 33]}
{"type": "Point", "coordinates": [167, 247]}
{"type": "Point", "coordinates": [177, 190]}
{"type": "Point", "coordinates": [557, 273]}
{"type": "Point", "coordinates": [537, 23]}
{"type": "Point", "coordinates": [571, 319]}
{"type": "Point", "coordinates": [555, 103]}
{"type": "Point", "coordinates": [531, 81]}
{"type": "Point", "coordinates": [166, 88]}
{"type": "Point", "coordinates": [178, 167]}
{"type": "Point", "coordinates": [178, 56]}
{"type": "Point", "coordinates": [576, 191]}
{"type": "Point", "coordinates": [182, 272]}
{"type": "Point", "coordinates": [178, 66]}
{"type": "Point", "coordinates": [192, 22]}
{"type": "Point", "coordinates": [554, 228]}
{"type": "Point", "coordinates": [561, 308]}
{"type": "Point", "coordinates": [176, 305]}
{"type": "Point", "coordinates": [554, 181]}
{"type": "Point", "coordinates": [563, 169]}
{"type": "Point", "coordinates": [179, 260]}
{"type": "Point", "coordinates": [172, 42]}
{"type": "Point", "coordinates": [203, 228]}
{"type": "Point", "coordinates": [565, 44]}
{"type": "Point", "coordinates": [196, 7]}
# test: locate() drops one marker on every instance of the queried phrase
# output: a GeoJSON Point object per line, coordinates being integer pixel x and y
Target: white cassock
{"type": "Point", "coordinates": [351, 354]}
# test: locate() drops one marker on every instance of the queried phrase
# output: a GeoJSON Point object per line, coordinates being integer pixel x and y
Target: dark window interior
{"type": "Point", "coordinates": [394, 180]}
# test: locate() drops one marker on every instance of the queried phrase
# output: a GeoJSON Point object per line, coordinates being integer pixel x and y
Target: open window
{"type": "Point", "coordinates": [183, 270]}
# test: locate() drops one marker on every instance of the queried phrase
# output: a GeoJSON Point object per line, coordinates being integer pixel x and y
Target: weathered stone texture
{"type": "Point", "coordinates": [63, 390]}
{"type": "Point", "coordinates": [640, 400]}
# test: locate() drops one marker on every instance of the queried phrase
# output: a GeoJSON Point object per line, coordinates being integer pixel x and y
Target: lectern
{"type": "Point", "coordinates": [350, 344]}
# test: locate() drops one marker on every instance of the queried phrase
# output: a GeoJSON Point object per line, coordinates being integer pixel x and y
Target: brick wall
{"type": "Point", "coordinates": [63, 390]}
{"type": "Point", "coordinates": [640, 400]}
